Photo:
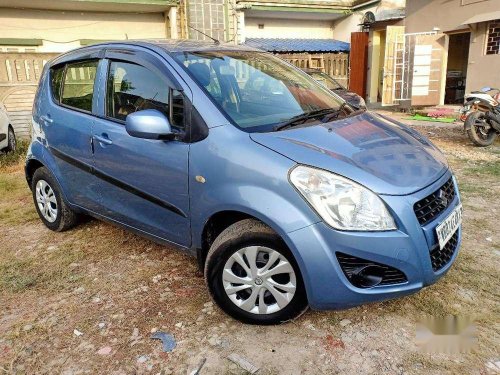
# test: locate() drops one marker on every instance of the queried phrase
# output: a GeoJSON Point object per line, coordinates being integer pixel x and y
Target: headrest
{"type": "Point", "coordinates": [201, 72]}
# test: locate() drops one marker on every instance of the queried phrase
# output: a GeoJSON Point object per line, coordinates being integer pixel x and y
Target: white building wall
{"type": "Point", "coordinates": [61, 30]}
{"type": "Point", "coordinates": [283, 28]}
{"type": "Point", "coordinates": [343, 28]}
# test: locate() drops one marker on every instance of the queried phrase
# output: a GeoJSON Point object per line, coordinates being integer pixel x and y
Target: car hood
{"type": "Point", "coordinates": [377, 152]}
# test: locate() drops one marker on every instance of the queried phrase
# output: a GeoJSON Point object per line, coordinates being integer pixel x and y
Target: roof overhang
{"type": "Point", "coordinates": [114, 6]}
{"type": "Point", "coordinates": [294, 15]}
{"type": "Point", "coordinates": [483, 17]}
{"type": "Point", "coordinates": [311, 10]}
{"type": "Point", "coordinates": [21, 42]}
{"type": "Point", "coordinates": [458, 30]}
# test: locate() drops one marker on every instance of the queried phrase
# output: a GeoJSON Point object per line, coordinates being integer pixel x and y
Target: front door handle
{"type": "Point", "coordinates": [103, 140]}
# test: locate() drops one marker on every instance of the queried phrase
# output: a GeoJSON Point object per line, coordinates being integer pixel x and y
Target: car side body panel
{"type": "Point", "coordinates": [249, 178]}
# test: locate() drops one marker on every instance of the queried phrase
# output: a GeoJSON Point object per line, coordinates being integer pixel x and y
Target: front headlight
{"type": "Point", "coordinates": [342, 203]}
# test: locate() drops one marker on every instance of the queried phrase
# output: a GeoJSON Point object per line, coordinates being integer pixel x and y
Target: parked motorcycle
{"type": "Point", "coordinates": [487, 94]}
{"type": "Point", "coordinates": [483, 124]}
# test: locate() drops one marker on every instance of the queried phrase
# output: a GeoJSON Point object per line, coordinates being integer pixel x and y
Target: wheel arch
{"type": "Point", "coordinates": [31, 166]}
{"type": "Point", "coordinates": [222, 219]}
{"type": "Point", "coordinates": [214, 226]}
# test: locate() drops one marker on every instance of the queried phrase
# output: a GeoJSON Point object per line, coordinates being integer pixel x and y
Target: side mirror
{"type": "Point", "coordinates": [148, 124]}
{"type": "Point", "coordinates": [486, 89]}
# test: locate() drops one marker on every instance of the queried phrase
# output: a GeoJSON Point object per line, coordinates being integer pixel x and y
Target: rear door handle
{"type": "Point", "coordinates": [103, 139]}
{"type": "Point", "coordinates": [46, 119]}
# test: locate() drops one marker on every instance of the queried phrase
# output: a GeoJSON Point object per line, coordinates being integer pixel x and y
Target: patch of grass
{"type": "Point", "coordinates": [49, 270]}
{"type": "Point", "coordinates": [13, 275]}
{"type": "Point", "coordinates": [425, 363]}
{"type": "Point", "coordinates": [11, 158]}
{"type": "Point", "coordinates": [18, 215]}
{"type": "Point", "coordinates": [468, 188]}
{"type": "Point", "coordinates": [485, 169]}
{"type": "Point", "coordinates": [16, 205]}
{"type": "Point", "coordinates": [11, 186]}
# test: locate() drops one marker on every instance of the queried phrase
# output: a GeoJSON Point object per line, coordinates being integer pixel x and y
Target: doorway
{"type": "Point", "coordinates": [456, 70]}
{"type": "Point", "coordinates": [377, 66]}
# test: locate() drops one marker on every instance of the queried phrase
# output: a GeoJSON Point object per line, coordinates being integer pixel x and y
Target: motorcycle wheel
{"type": "Point", "coordinates": [476, 130]}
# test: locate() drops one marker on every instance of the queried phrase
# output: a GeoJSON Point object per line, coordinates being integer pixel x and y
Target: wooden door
{"type": "Point", "coordinates": [358, 62]}
{"type": "Point", "coordinates": [429, 62]}
{"type": "Point", "coordinates": [394, 45]}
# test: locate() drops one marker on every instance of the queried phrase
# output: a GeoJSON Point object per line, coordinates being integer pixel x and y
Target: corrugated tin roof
{"type": "Point", "coordinates": [298, 45]}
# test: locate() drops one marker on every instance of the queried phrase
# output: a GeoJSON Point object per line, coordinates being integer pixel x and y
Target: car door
{"type": "Point", "coordinates": [143, 183]}
{"type": "Point", "coordinates": [66, 117]}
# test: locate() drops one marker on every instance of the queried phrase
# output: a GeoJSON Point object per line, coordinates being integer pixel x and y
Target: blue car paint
{"type": "Point", "coordinates": [383, 155]}
{"type": "Point", "coordinates": [143, 165]}
{"type": "Point", "coordinates": [247, 173]}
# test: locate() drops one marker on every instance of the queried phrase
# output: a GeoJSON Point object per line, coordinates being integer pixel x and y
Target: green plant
{"type": "Point", "coordinates": [11, 158]}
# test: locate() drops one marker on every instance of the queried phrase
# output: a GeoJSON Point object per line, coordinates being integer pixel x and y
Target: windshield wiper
{"type": "Point", "coordinates": [300, 119]}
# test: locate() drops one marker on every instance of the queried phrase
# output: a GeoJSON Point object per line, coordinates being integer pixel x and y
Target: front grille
{"type": "Point", "coordinates": [431, 206]}
{"type": "Point", "coordinates": [441, 257]}
{"type": "Point", "coordinates": [350, 263]}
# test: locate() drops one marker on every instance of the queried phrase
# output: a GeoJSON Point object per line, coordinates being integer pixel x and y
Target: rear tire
{"type": "Point", "coordinates": [49, 203]}
{"type": "Point", "coordinates": [269, 274]}
{"type": "Point", "coordinates": [474, 130]}
{"type": "Point", "coordinates": [11, 140]}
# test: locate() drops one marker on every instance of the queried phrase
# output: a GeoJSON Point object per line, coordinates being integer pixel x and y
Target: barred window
{"type": "Point", "coordinates": [493, 38]}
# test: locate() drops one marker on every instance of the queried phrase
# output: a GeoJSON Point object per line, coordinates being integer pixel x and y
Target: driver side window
{"type": "Point", "coordinates": [132, 88]}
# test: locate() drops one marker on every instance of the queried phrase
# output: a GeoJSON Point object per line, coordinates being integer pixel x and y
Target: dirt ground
{"type": "Point", "coordinates": [88, 300]}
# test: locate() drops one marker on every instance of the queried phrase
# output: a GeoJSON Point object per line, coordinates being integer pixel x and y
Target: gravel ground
{"type": "Point", "coordinates": [88, 300]}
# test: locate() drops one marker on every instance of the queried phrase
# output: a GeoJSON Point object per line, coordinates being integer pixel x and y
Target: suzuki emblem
{"type": "Point", "coordinates": [442, 198]}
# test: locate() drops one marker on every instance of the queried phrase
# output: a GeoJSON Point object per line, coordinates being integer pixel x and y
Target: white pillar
{"type": "Point", "coordinates": [172, 18]}
{"type": "Point", "coordinates": [241, 26]}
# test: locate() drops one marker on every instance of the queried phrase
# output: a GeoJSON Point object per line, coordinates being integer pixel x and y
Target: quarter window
{"type": "Point", "coordinates": [78, 89]}
{"type": "Point", "coordinates": [132, 88]}
{"type": "Point", "coordinates": [56, 82]}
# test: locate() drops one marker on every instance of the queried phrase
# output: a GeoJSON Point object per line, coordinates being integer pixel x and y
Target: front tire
{"type": "Point", "coordinates": [252, 275]}
{"type": "Point", "coordinates": [53, 211]}
{"type": "Point", "coordinates": [475, 125]}
{"type": "Point", "coordinates": [11, 140]}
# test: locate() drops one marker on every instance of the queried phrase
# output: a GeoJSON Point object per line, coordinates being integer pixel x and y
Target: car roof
{"type": "Point", "coordinates": [186, 45]}
{"type": "Point", "coordinates": [166, 45]}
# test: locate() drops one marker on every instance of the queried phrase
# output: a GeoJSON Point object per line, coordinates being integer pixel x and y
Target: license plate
{"type": "Point", "coordinates": [449, 226]}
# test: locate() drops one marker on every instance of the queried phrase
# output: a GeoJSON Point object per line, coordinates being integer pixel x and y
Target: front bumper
{"type": "Point", "coordinates": [406, 249]}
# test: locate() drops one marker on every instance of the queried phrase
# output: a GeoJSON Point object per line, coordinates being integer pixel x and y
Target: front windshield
{"type": "Point", "coordinates": [256, 90]}
{"type": "Point", "coordinates": [326, 80]}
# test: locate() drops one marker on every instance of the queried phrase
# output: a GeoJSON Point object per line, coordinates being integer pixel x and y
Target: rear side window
{"type": "Point", "coordinates": [132, 88]}
{"type": "Point", "coordinates": [78, 87]}
{"type": "Point", "coordinates": [56, 76]}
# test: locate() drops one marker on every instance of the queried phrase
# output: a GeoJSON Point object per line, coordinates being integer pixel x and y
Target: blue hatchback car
{"type": "Point", "coordinates": [287, 196]}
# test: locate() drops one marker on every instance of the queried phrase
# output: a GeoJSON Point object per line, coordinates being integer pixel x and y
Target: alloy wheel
{"type": "Point", "coordinates": [46, 201]}
{"type": "Point", "coordinates": [259, 280]}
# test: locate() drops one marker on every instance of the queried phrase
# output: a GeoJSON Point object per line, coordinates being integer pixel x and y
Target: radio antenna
{"type": "Point", "coordinates": [216, 41]}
